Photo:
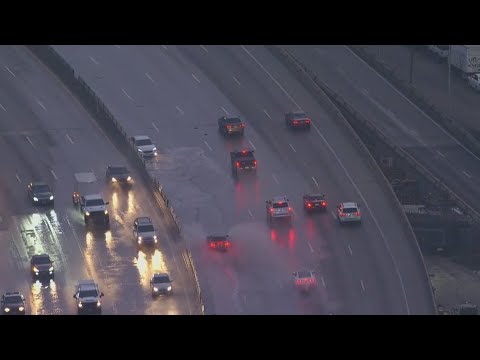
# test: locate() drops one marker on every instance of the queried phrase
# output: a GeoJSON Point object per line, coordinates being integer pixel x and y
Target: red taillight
{"type": "Point", "coordinates": [289, 209]}
{"type": "Point", "coordinates": [255, 163]}
{"type": "Point", "coordinates": [229, 127]}
{"type": "Point", "coordinates": [272, 210]}
{"type": "Point", "coordinates": [227, 244]}
{"type": "Point", "coordinates": [324, 203]}
{"type": "Point", "coordinates": [295, 122]}
{"type": "Point", "coordinates": [244, 152]}
{"type": "Point", "coordinates": [342, 214]}
{"type": "Point", "coordinates": [309, 205]}
{"type": "Point", "coordinates": [238, 164]}
{"type": "Point", "coordinates": [213, 245]}
{"type": "Point", "coordinates": [308, 121]}
{"type": "Point", "coordinates": [243, 125]}
{"type": "Point", "coordinates": [357, 213]}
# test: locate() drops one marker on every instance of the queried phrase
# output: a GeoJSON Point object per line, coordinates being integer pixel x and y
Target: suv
{"type": "Point", "coordinates": [243, 161]}
{"type": "Point", "coordinates": [143, 146]}
{"type": "Point", "coordinates": [231, 126]}
{"type": "Point", "coordinates": [161, 283]}
{"type": "Point", "coordinates": [278, 208]}
{"type": "Point", "coordinates": [88, 297]}
{"type": "Point", "coordinates": [40, 193]}
{"type": "Point", "coordinates": [348, 212]}
{"type": "Point", "coordinates": [297, 120]}
{"type": "Point", "coordinates": [42, 266]}
{"type": "Point", "coordinates": [118, 174]}
{"type": "Point", "coordinates": [90, 202]}
{"type": "Point", "coordinates": [144, 231]}
{"type": "Point", "coordinates": [13, 303]}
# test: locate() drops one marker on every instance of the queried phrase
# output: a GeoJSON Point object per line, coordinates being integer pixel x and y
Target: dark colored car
{"type": "Point", "coordinates": [243, 161]}
{"type": "Point", "coordinates": [40, 193]}
{"type": "Point", "coordinates": [118, 174]}
{"type": "Point", "coordinates": [314, 202]}
{"type": "Point", "coordinates": [42, 266]}
{"type": "Point", "coordinates": [231, 126]}
{"type": "Point", "coordinates": [13, 303]}
{"type": "Point", "coordinates": [297, 120]}
{"type": "Point", "coordinates": [219, 242]}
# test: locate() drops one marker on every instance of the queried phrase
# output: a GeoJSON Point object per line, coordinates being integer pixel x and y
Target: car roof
{"type": "Point", "coordinates": [141, 137]}
{"type": "Point", "coordinates": [87, 284]}
{"type": "Point", "coordinates": [216, 236]}
{"type": "Point", "coordinates": [299, 113]}
{"type": "Point", "coordinates": [232, 118]}
{"type": "Point", "coordinates": [38, 183]}
{"type": "Point", "coordinates": [144, 220]}
{"type": "Point", "coordinates": [315, 195]}
{"type": "Point", "coordinates": [117, 167]}
{"type": "Point", "coordinates": [159, 275]}
{"type": "Point", "coordinates": [93, 197]}
{"type": "Point", "coordinates": [304, 273]}
{"type": "Point", "coordinates": [12, 293]}
{"type": "Point", "coordinates": [40, 256]}
{"type": "Point", "coordinates": [85, 177]}
{"type": "Point", "coordinates": [279, 198]}
{"type": "Point", "coordinates": [349, 205]}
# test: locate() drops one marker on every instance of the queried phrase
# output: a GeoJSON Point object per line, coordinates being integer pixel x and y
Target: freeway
{"type": "Point", "coordinates": [175, 94]}
{"type": "Point", "coordinates": [46, 135]}
{"type": "Point", "coordinates": [398, 118]}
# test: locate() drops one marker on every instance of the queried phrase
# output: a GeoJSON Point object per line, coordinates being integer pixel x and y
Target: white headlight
{"type": "Point", "coordinates": [99, 303]}
{"type": "Point", "coordinates": [155, 237]}
{"type": "Point", "coordinates": [169, 288]}
{"type": "Point", "coordinates": [154, 149]}
{"type": "Point", "coordinates": [51, 197]}
{"type": "Point", "coordinates": [106, 212]}
{"type": "Point", "coordinates": [21, 308]}
{"type": "Point", "coordinates": [140, 150]}
{"type": "Point", "coordinates": [129, 178]}
{"type": "Point", "coordinates": [87, 213]}
{"type": "Point", "coordinates": [35, 269]}
{"type": "Point", "coordinates": [139, 241]}
{"type": "Point", "coordinates": [155, 289]}
{"type": "Point", "coordinates": [80, 305]}
{"type": "Point", "coordinates": [114, 180]}
{"type": "Point", "coordinates": [51, 268]}
{"type": "Point", "coordinates": [35, 198]}
{"type": "Point", "coordinates": [7, 309]}
{"type": "Point", "coordinates": [140, 238]}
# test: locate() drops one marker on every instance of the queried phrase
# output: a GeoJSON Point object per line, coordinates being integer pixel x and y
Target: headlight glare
{"type": "Point", "coordinates": [155, 289]}
{"type": "Point", "coordinates": [169, 288]}
{"type": "Point", "coordinates": [80, 305]}
{"type": "Point", "coordinates": [35, 198]}
{"type": "Point", "coordinates": [51, 268]}
{"type": "Point", "coordinates": [106, 212]}
{"type": "Point", "coordinates": [114, 180]}
{"type": "Point", "coordinates": [51, 197]}
{"type": "Point", "coordinates": [87, 213]}
{"type": "Point", "coordinates": [99, 303]}
{"type": "Point", "coordinates": [129, 178]}
{"type": "Point", "coordinates": [7, 310]}
{"type": "Point", "coordinates": [21, 308]}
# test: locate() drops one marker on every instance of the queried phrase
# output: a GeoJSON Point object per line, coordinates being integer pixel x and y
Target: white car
{"type": "Point", "coordinates": [474, 81]}
{"type": "Point", "coordinates": [348, 212]}
{"type": "Point", "coordinates": [161, 283]}
{"type": "Point", "coordinates": [143, 145]}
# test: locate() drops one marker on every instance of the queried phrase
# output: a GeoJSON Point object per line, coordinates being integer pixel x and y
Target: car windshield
{"type": "Point", "coordinates": [304, 274]}
{"type": "Point", "coordinates": [88, 293]}
{"type": "Point", "coordinates": [299, 115]}
{"type": "Point", "coordinates": [119, 170]}
{"type": "Point", "coordinates": [280, 205]}
{"type": "Point", "coordinates": [95, 202]}
{"type": "Point", "coordinates": [16, 299]}
{"type": "Point", "coordinates": [164, 279]}
{"type": "Point", "coordinates": [41, 188]}
{"type": "Point", "coordinates": [143, 142]}
{"type": "Point", "coordinates": [233, 121]}
{"type": "Point", "coordinates": [146, 228]}
{"type": "Point", "coordinates": [218, 238]}
{"type": "Point", "coordinates": [349, 210]}
{"type": "Point", "coordinates": [315, 198]}
{"type": "Point", "coordinates": [41, 260]}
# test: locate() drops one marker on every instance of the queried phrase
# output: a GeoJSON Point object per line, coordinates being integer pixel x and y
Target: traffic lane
{"type": "Point", "coordinates": [258, 97]}
{"type": "Point", "coordinates": [431, 80]}
{"type": "Point", "coordinates": [397, 115]}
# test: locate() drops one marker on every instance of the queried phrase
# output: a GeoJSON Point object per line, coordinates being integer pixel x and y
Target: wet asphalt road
{"type": "Point", "coordinates": [46, 135]}
{"type": "Point", "coordinates": [175, 95]}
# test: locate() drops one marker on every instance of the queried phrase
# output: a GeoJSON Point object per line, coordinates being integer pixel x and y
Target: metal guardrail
{"type": "Point", "coordinates": [101, 113]}
{"type": "Point", "coordinates": [328, 98]}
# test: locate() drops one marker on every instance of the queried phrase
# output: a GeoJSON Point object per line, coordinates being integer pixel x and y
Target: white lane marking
{"type": "Point", "coordinates": [275, 178]}
{"type": "Point", "coordinates": [310, 247]}
{"type": "Point", "coordinates": [350, 250]}
{"type": "Point", "coordinates": [10, 71]}
{"type": "Point", "coordinates": [292, 147]}
{"type": "Point", "coordinates": [41, 104]}
{"type": "Point", "coordinates": [117, 46]}
{"type": "Point", "coordinates": [165, 47]}
{"type": "Point", "coordinates": [271, 76]}
{"type": "Point", "coordinates": [439, 153]}
{"type": "Point", "coordinates": [363, 285]}
{"type": "Point", "coordinates": [149, 77]}
{"type": "Point", "coordinates": [196, 79]}
{"type": "Point", "coordinates": [315, 181]}
{"type": "Point", "coordinates": [69, 138]}
{"type": "Point", "coordinates": [126, 94]}
{"type": "Point", "coordinates": [323, 281]}
{"type": "Point", "coordinates": [204, 48]}
{"type": "Point", "coordinates": [180, 110]}
{"type": "Point", "coordinates": [266, 113]}
{"type": "Point", "coordinates": [94, 61]}
{"type": "Point", "coordinates": [236, 80]}
{"type": "Point", "coordinates": [29, 140]}
{"type": "Point", "coordinates": [467, 174]}
{"type": "Point", "coordinates": [250, 213]}
{"type": "Point", "coordinates": [333, 214]}
{"type": "Point", "coordinates": [413, 104]}
{"type": "Point", "coordinates": [253, 146]}
{"type": "Point", "coordinates": [154, 126]}
{"type": "Point", "coordinates": [225, 111]}
{"type": "Point", "coordinates": [55, 176]}
{"type": "Point", "coordinates": [3, 108]}
{"type": "Point", "coordinates": [209, 147]}
{"type": "Point", "coordinates": [18, 178]}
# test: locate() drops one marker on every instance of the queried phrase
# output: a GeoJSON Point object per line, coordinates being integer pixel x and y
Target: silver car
{"type": "Point", "coordinates": [161, 283]}
{"type": "Point", "coordinates": [348, 212]}
{"type": "Point", "coordinates": [144, 232]}
{"type": "Point", "coordinates": [278, 208]}
{"type": "Point", "coordinates": [144, 146]}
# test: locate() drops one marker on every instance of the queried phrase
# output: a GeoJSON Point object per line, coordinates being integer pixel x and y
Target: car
{"type": "Point", "coordinates": [278, 208]}
{"type": "Point", "coordinates": [144, 232]}
{"type": "Point", "coordinates": [13, 303]}
{"type": "Point", "coordinates": [88, 297]}
{"type": "Point", "coordinates": [86, 196]}
{"type": "Point", "coordinates": [349, 212]}
{"type": "Point", "coordinates": [143, 146]}
{"type": "Point", "coordinates": [305, 280]}
{"type": "Point", "coordinates": [474, 81]}
{"type": "Point", "coordinates": [243, 161]}
{"type": "Point", "coordinates": [297, 120]}
{"type": "Point", "coordinates": [118, 175]}
{"type": "Point", "coordinates": [40, 193]}
{"type": "Point", "coordinates": [219, 242]}
{"type": "Point", "coordinates": [42, 266]}
{"type": "Point", "coordinates": [315, 202]}
{"type": "Point", "coordinates": [161, 283]}
{"type": "Point", "coordinates": [466, 308]}
{"type": "Point", "coordinates": [231, 126]}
